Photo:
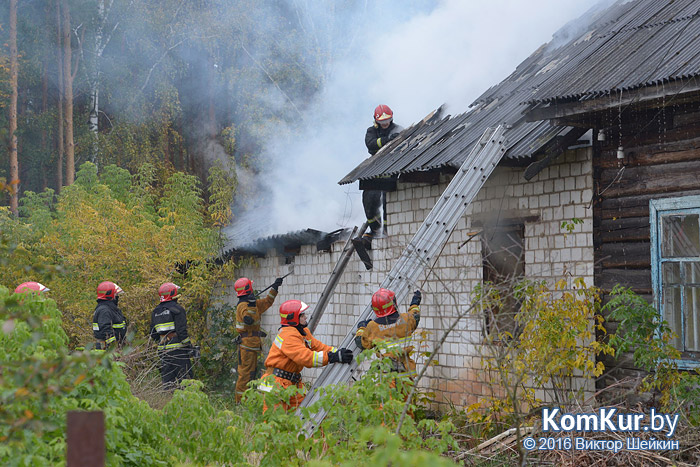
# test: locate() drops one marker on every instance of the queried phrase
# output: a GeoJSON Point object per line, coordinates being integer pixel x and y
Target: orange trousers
{"type": "Point", "coordinates": [294, 401]}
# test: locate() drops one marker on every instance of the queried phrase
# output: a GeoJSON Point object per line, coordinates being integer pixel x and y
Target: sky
{"type": "Point", "coordinates": [446, 51]}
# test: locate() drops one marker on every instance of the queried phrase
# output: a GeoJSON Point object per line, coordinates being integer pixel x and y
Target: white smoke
{"type": "Point", "coordinates": [450, 53]}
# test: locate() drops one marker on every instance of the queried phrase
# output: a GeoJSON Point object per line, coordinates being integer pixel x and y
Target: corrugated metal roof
{"type": "Point", "coordinates": [638, 43]}
{"type": "Point", "coordinates": [282, 243]}
{"type": "Point", "coordinates": [630, 44]}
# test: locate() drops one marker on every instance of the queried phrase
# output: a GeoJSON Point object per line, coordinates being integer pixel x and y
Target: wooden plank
{"type": "Point", "coordinates": [651, 179]}
{"type": "Point", "coordinates": [643, 156]}
{"type": "Point", "coordinates": [677, 89]}
{"type": "Point", "coordinates": [623, 255]}
{"type": "Point", "coordinates": [635, 206]}
{"type": "Point", "coordinates": [639, 280]}
{"type": "Point", "coordinates": [620, 230]}
{"type": "Point", "coordinates": [85, 441]}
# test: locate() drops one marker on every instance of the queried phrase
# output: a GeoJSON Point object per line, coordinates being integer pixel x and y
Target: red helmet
{"type": "Point", "coordinates": [383, 113]}
{"type": "Point", "coordinates": [243, 286]}
{"type": "Point", "coordinates": [291, 310]}
{"type": "Point", "coordinates": [384, 302]}
{"type": "Point", "coordinates": [168, 292]}
{"type": "Point", "coordinates": [30, 287]}
{"type": "Point", "coordinates": [108, 290]}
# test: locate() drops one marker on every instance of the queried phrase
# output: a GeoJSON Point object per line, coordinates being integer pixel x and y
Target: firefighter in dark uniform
{"type": "Point", "coordinates": [169, 329]}
{"type": "Point", "coordinates": [108, 323]}
{"type": "Point", "coordinates": [391, 329]}
{"type": "Point", "coordinates": [378, 135]}
{"type": "Point", "coordinates": [248, 313]}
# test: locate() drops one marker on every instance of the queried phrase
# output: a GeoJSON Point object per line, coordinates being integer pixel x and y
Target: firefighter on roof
{"type": "Point", "coordinates": [295, 348]}
{"type": "Point", "coordinates": [391, 330]}
{"type": "Point", "coordinates": [169, 330]}
{"type": "Point", "coordinates": [108, 323]}
{"type": "Point", "coordinates": [248, 313]}
{"type": "Point", "coordinates": [378, 135]}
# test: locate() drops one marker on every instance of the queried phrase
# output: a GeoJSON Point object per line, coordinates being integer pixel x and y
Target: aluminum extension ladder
{"type": "Point", "coordinates": [419, 253]}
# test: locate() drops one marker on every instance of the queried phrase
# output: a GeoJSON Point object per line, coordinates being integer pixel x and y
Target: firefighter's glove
{"type": "Point", "coordinates": [277, 283]}
{"type": "Point", "coordinates": [248, 320]}
{"type": "Point", "coordinates": [363, 324]}
{"type": "Point", "coordinates": [340, 356]}
{"type": "Point", "coordinates": [416, 298]}
{"type": "Point", "coordinates": [393, 136]}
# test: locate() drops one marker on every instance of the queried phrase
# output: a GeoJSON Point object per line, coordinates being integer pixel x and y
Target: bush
{"type": "Point", "coordinates": [41, 380]}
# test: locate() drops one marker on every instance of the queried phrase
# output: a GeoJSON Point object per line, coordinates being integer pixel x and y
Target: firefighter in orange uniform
{"type": "Point", "coordinates": [391, 330]}
{"type": "Point", "coordinates": [295, 348]}
{"type": "Point", "coordinates": [248, 313]}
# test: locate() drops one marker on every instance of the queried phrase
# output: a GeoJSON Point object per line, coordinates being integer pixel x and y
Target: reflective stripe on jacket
{"type": "Point", "coordinates": [291, 351]}
{"type": "Point", "coordinates": [169, 326]}
{"type": "Point", "coordinates": [108, 323]}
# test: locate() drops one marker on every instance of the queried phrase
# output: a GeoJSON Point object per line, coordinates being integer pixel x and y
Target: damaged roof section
{"type": "Point", "coordinates": [287, 244]}
{"type": "Point", "coordinates": [438, 143]}
{"type": "Point", "coordinates": [631, 44]}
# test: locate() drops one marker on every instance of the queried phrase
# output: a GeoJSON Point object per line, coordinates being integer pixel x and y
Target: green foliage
{"type": "Point", "coordinates": [570, 226]}
{"type": "Point", "coordinates": [645, 333]}
{"type": "Point", "coordinates": [119, 227]}
{"type": "Point", "coordinates": [557, 342]}
{"type": "Point", "coordinates": [41, 380]}
{"type": "Point", "coordinates": [223, 184]}
{"type": "Point", "coordinates": [358, 428]}
{"type": "Point", "coordinates": [649, 338]}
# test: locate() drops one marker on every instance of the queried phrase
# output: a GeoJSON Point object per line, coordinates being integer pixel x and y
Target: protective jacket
{"type": "Point", "coordinates": [169, 326]}
{"type": "Point", "coordinates": [108, 323]}
{"type": "Point", "coordinates": [294, 348]}
{"type": "Point", "coordinates": [391, 333]}
{"type": "Point", "coordinates": [377, 137]}
{"type": "Point", "coordinates": [291, 351]}
{"type": "Point", "coordinates": [248, 314]}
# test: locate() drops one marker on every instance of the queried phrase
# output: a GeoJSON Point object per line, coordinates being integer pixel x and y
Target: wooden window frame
{"type": "Point", "coordinates": [658, 208]}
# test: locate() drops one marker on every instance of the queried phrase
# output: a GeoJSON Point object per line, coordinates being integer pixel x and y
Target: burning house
{"type": "Point", "coordinates": [603, 130]}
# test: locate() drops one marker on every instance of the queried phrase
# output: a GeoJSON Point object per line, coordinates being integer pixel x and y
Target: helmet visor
{"type": "Point", "coordinates": [384, 118]}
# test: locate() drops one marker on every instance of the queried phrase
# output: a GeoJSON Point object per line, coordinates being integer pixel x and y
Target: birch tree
{"type": "Point", "coordinates": [59, 61]}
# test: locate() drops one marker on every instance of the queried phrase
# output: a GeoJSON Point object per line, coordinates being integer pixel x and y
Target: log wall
{"type": "Point", "coordinates": [659, 163]}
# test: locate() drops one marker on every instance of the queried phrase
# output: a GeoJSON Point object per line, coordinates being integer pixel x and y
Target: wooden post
{"type": "Point", "coordinates": [86, 439]}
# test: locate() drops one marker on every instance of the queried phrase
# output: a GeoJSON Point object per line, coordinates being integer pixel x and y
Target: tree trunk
{"type": "Point", "coordinates": [46, 159]}
{"type": "Point", "coordinates": [59, 56]}
{"type": "Point", "coordinates": [93, 119]}
{"type": "Point", "coordinates": [68, 94]}
{"type": "Point", "coordinates": [14, 69]}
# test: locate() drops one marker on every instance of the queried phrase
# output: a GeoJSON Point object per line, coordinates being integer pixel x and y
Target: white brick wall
{"type": "Point", "coordinates": [560, 192]}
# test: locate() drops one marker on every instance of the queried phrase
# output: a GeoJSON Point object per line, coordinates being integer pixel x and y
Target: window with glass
{"type": "Point", "coordinates": [675, 238]}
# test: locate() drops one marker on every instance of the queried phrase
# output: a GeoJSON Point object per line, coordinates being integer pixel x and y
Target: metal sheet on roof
{"type": "Point", "coordinates": [630, 44]}
{"type": "Point", "coordinates": [654, 41]}
{"type": "Point", "coordinates": [279, 242]}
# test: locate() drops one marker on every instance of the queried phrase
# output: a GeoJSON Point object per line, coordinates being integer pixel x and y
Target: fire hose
{"type": "Point", "coordinates": [257, 295]}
